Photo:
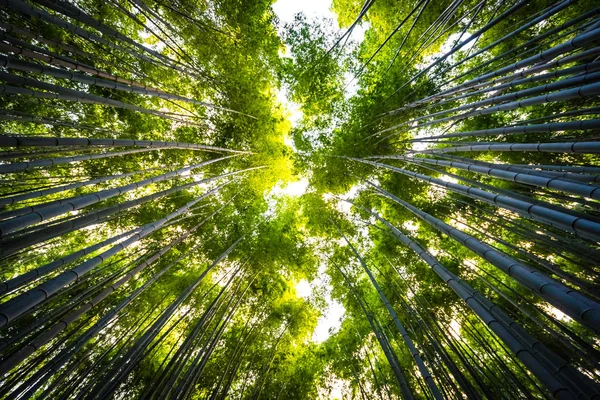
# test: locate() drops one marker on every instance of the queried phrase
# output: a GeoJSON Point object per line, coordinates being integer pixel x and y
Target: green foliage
{"type": "Point", "coordinates": [244, 330]}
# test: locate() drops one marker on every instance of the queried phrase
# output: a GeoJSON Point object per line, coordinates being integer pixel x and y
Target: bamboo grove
{"type": "Point", "coordinates": [451, 202]}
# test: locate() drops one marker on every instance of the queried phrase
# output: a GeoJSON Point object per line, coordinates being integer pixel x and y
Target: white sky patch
{"type": "Point", "coordinates": [358, 33]}
{"type": "Point", "coordinates": [410, 226]}
{"type": "Point", "coordinates": [459, 225]}
{"type": "Point", "coordinates": [333, 313]}
{"type": "Point", "coordinates": [556, 313]}
{"type": "Point", "coordinates": [434, 251]}
{"type": "Point", "coordinates": [293, 189]}
{"type": "Point", "coordinates": [303, 289]}
{"type": "Point", "coordinates": [221, 275]}
{"type": "Point", "coordinates": [286, 9]}
{"type": "Point", "coordinates": [159, 46]}
{"type": "Point", "coordinates": [198, 177]}
{"type": "Point", "coordinates": [455, 331]}
{"type": "Point", "coordinates": [292, 109]}
{"type": "Point", "coordinates": [338, 388]}
{"type": "Point", "coordinates": [288, 141]}
{"type": "Point", "coordinates": [343, 206]}
{"type": "Point", "coordinates": [450, 179]}
{"type": "Point", "coordinates": [351, 85]}
{"type": "Point", "coordinates": [330, 321]}
{"type": "Point", "coordinates": [420, 146]}
{"type": "Point", "coordinates": [426, 132]}
{"type": "Point", "coordinates": [446, 47]}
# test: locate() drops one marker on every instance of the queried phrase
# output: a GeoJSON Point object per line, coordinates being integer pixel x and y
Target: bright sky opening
{"type": "Point", "coordinates": [313, 9]}
{"type": "Point", "coordinates": [332, 316]}
{"type": "Point", "coordinates": [293, 189]}
{"type": "Point", "coordinates": [285, 10]}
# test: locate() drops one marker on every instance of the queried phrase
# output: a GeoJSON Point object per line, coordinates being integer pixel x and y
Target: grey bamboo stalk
{"type": "Point", "coordinates": [532, 169]}
{"type": "Point", "coordinates": [12, 246]}
{"type": "Point", "coordinates": [576, 70]}
{"type": "Point", "coordinates": [14, 115]}
{"type": "Point", "coordinates": [581, 79]}
{"type": "Point", "coordinates": [407, 340]}
{"type": "Point", "coordinates": [141, 5]}
{"type": "Point", "coordinates": [588, 287]}
{"type": "Point", "coordinates": [552, 240]}
{"type": "Point", "coordinates": [103, 388]}
{"type": "Point", "coordinates": [406, 36]}
{"type": "Point", "coordinates": [581, 226]}
{"type": "Point", "coordinates": [529, 178]}
{"type": "Point", "coordinates": [54, 364]}
{"type": "Point", "coordinates": [19, 65]}
{"type": "Point", "coordinates": [19, 30]}
{"type": "Point", "coordinates": [576, 169]}
{"type": "Point", "coordinates": [36, 154]}
{"type": "Point", "coordinates": [66, 94]}
{"type": "Point", "coordinates": [530, 45]}
{"type": "Point", "coordinates": [525, 194]}
{"type": "Point", "coordinates": [174, 367]}
{"type": "Point", "coordinates": [43, 212]}
{"type": "Point", "coordinates": [170, 44]}
{"type": "Point", "coordinates": [576, 43]}
{"type": "Point", "coordinates": [195, 371]}
{"type": "Point", "coordinates": [367, 5]}
{"type": "Point", "coordinates": [511, 77]}
{"type": "Point", "coordinates": [575, 381]}
{"type": "Point", "coordinates": [27, 165]}
{"type": "Point", "coordinates": [423, 47]}
{"type": "Point", "coordinates": [523, 73]}
{"type": "Point", "coordinates": [566, 299]}
{"type": "Point", "coordinates": [541, 18]}
{"type": "Point", "coordinates": [28, 50]}
{"type": "Point", "coordinates": [75, 294]}
{"type": "Point", "coordinates": [150, 387]}
{"type": "Point", "coordinates": [47, 141]}
{"type": "Point", "coordinates": [584, 91]}
{"type": "Point", "coordinates": [34, 194]}
{"type": "Point", "coordinates": [584, 351]}
{"type": "Point", "coordinates": [74, 297]}
{"type": "Point", "coordinates": [552, 147]}
{"type": "Point", "coordinates": [58, 387]}
{"type": "Point", "coordinates": [26, 9]}
{"type": "Point", "coordinates": [234, 360]}
{"type": "Point", "coordinates": [76, 13]}
{"type": "Point", "coordinates": [176, 364]}
{"type": "Point", "coordinates": [52, 332]}
{"type": "Point", "coordinates": [141, 349]}
{"type": "Point", "coordinates": [431, 35]}
{"type": "Point", "coordinates": [83, 388]}
{"type": "Point", "coordinates": [41, 54]}
{"type": "Point", "coordinates": [16, 306]}
{"type": "Point", "coordinates": [382, 342]}
{"type": "Point", "coordinates": [17, 282]}
{"type": "Point", "coordinates": [396, 29]}
{"type": "Point", "coordinates": [556, 378]}
{"type": "Point", "coordinates": [472, 37]}
{"type": "Point", "coordinates": [429, 326]}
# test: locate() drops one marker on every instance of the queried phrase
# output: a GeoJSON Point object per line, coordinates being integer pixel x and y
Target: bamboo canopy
{"type": "Point", "coordinates": [425, 223]}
